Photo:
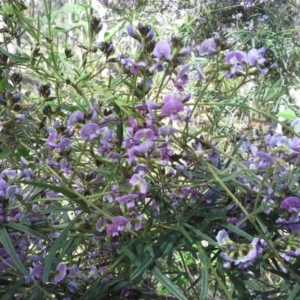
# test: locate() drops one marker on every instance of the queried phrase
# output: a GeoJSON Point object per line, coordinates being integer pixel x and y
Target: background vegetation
{"type": "Point", "coordinates": [132, 162]}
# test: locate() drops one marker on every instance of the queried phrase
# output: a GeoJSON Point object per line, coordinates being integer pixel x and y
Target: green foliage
{"type": "Point", "coordinates": [63, 200]}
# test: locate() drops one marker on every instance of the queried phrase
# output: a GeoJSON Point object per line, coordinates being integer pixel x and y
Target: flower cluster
{"type": "Point", "coordinates": [92, 198]}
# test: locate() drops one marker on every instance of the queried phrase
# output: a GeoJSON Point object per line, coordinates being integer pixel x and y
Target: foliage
{"type": "Point", "coordinates": [108, 188]}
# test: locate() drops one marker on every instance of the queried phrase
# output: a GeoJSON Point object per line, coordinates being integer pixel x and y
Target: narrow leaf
{"type": "Point", "coordinates": [63, 190]}
{"type": "Point", "coordinates": [6, 242]}
{"type": "Point", "coordinates": [294, 293]}
{"type": "Point", "coordinates": [27, 230]}
{"type": "Point", "coordinates": [12, 290]}
{"type": "Point", "coordinates": [204, 273]}
{"type": "Point", "coordinates": [56, 246]}
{"type": "Point", "coordinates": [167, 283]}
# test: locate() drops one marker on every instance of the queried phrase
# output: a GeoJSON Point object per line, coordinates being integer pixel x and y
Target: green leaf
{"type": "Point", "coordinates": [204, 273]}
{"type": "Point", "coordinates": [287, 114]}
{"type": "Point", "coordinates": [202, 235]}
{"type": "Point", "coordinates": [3, 83]}
{"type": "Point", "coordinates": [273, 93]}
{"type": "Point", "coordinates": [108, 35]}
{"type": "Point", "coordinates": [294, 293]}
{"type": "Point", "coordinates": [27, 230]}
{"type": "Point", "coordinates": [160, 250]}
{"type": "Point", "coordinates": [56, 247]}
{"type": "Point", "coordinates": [167, 283]}
{"type": "Point", "coordinates": [76, 9]}
{"type": "Point", "coordinates": [63, 190]}
{"type": "Point", "coordinates": [11, 291]}
{"type": "Point", "coordinates": [237, 231]}
{"type": "Point", "coordinates": [185, 234]}
{"type": "Point", "coordinates": [6, 242]}
{"type": "Point", "coordinates": [5, 152]}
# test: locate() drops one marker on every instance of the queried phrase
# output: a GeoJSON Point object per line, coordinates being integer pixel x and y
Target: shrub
{"type": "Point", "coordinates": [108, 190]}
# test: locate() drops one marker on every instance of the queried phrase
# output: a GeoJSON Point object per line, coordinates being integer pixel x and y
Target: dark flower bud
{"type": "Point", "coordinates": [3, 58]}
{"type": "Point", "coordinates": [16, 78]}
{"type": "Point", "coordinates": [107, 48]}
{"type": "Point", "coordinates": [47, 110]}
{"type": "Point", "coordinates": [149, 47]}
{"type": "Point", "coordinates": [90, 176]}
{"type": "Point", "coordinates": [22, 5]}
{"type": "Point", "coordinates": [144, 29]}
{"type": "Point", "coordinates": [224, 45]}
{"type": "Point", "coordinates": [143, 88]}
{"type": "Point", "coordinates": [177, 41]}
{"type": "Point", "coordinates": [150, 35]}
{"type": "Point", "coordinates": [36, 52]}
{"type": "Point", "coordinates": [133, 34]}
{"type": "Point", "coordinates": [2, 101]}
{"type": "Point", "coordinates": [7, 94]}
{"type": "Point", "coordinates": [68, 53]}
{"type": "Point", "coordinates": [96, 24]}
{"type": "Point", "coordinates": [44, 90]}
{"type": "Point", "coordinates": [16, 97]}
{"type": "Point", "coordinates": [113, 60]}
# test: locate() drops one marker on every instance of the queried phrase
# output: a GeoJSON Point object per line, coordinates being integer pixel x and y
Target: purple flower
{"type": "Point", "coordinates": [288, 254]}
{"type": "Point", "coordinates": [64, 145]}
{"type": "Point", "coordinates": [185, 52]}
{"type": "Point", "coordinates": [24, 162]}
{"type": "Point", "coordinates": [292, 204]}
{"type": "Point", "coordinates": [182, 77]}
{"type": "Point", "coordinates": [3, 187]}
{"type": "Point", "coordinates": [141, 169]}
{"type": "Point", "coordinates": [65, 167]}
{"type": "Point", "coordinates": [76, 273]}
{"type": "Point", "coordinates": [61, 271]}
{"type": "Point", "coordinates": [133, 66]}
{"type": "Point", "coordinates": [172, 106]}
{"type": "Point", "coordinates": [121, 222]}
{"type": "Point", "coordinates": [100, 225]}
{"type": "Point", "coordinates": [268, 203]}
{"type": "Point", "coordinates": [223, 238]}
{"type": "Point", "coordinates": [21, 117]}
{"type": "Point", "coordinates": [139, 184]}
{"type": "Point", "coordinates": [93, 275]}
{"type": "Point", "coordinates": [127, 199]}
{"type": "Point", "coordinates": [126, 292]}
{"type": "Point", "coordinates": [167, 131]}
{"type": "Point", "coordinates": [12, 191]}
{"type": "Point", "coordinates": [152, 105]}
{"type": "Point", "coordinates": [208, 47]}
{"type": "Point", "coordinates": [254, 251]}
{"type": "Point", "coordinates": [183, 71]}
{"type": "Point", "coordinates": [75, 117]}
{"type": "Point", "coordinates": [162, 50]}
{"type": "Point", "coordinates": [285, 143]}
{"type": "Point", "coordinates": [53, 139]}
{"type": "Point", "coordinates": [234, 57]}
{"type": "Point", "coordinates": [89, 131]}
{"type": "Point", "coordinates": [296, 125]}
{"type": "Point", "coordinates": [112, 230]}
{"type": "Point", "coordinates": [265, 156]}
{"type": "Point", "coordinates": [143, 139]}
{"type": "Point", "coordinates": [291, 224]}
{"type": "Point", "coordinates": [35, 273]}
{"type": "Point", "coordinates": [256, 57]}
{"type": "Point", "coordinates": [27, 174]}
{"type": "Point", "coordinates": [139, 222]}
